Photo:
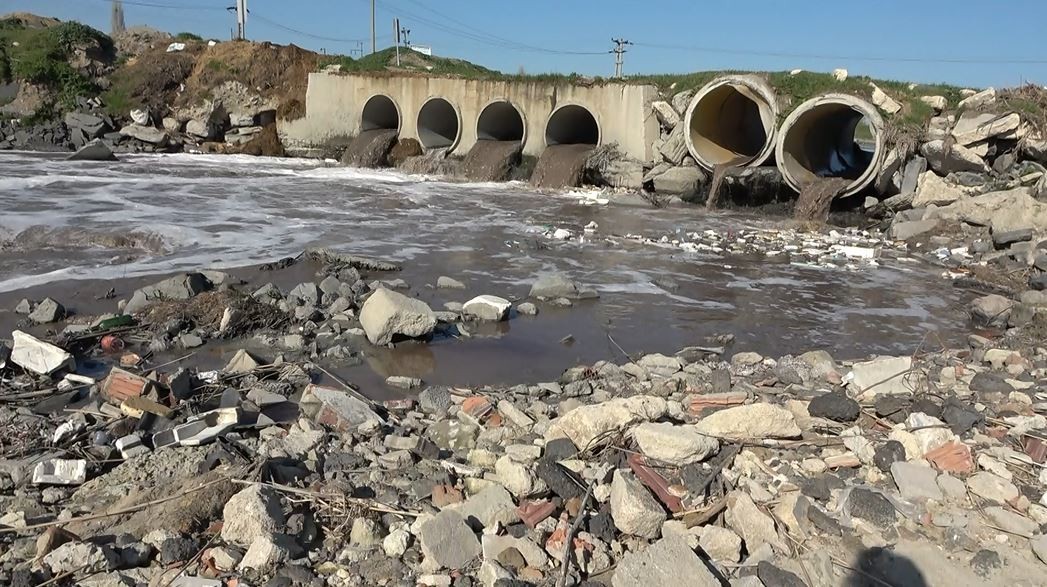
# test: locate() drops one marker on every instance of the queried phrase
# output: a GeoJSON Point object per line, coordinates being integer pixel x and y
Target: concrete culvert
{"type": "Point", "coordinates": [731, 121]}
{"type": "Point", "coordinates": [572, 125]}
{"type": "Point", "coordinates": [380, 113]}
{"type": "Point", "coordinates": [500, 121]}
{"type": "Point", "coordinates": [831, 136]}
{"type": "Point", "coordinates": [439, 125]}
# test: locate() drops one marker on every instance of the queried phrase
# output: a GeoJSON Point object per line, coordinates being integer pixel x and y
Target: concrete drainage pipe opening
{"type": "Point", "coordinates": [731, 122]}
{"type": "Point", "coordinates": [500, 121]}
{"type": "Point", "coordinates": [439, 125]}
{"type": "Point", "coordinates": [572, 125]}
{"type": "Point", "coordinates": [832, 136]}
{"type": "Point", "coordinates": [380, 113]}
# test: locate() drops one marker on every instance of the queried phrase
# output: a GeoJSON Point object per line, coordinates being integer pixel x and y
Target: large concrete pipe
{"type": "Point", "coordinates": [572, 124]}
{"type": "Point", "coordinates": [501, 121]}
{"type": "Point", "coordinates": [439, 125]}
{"type": "Point", "coordinates": [835, 135]}
{"type": "Point", "coordinates": [380, 113]}
{"type": "Point", "coordinates": [731, 121]}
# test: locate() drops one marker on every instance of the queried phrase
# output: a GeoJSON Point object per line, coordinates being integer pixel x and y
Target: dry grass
{"type": "Point", "coordinates": [274, 71]}
{"type": "Point", "coordinates": [206, 311]}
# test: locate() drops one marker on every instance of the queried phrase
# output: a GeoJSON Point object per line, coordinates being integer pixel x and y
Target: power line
{"type": "Point", "coordinates": [303, 33]}
{"type": "Point", "coordinates": [469, 33]}
{"type": "Point", "coordinates": [619, 56]}
{"type": "Point", "coordinates": [169, 6]}
{"type": "Point", "coordinates": [877, 58]}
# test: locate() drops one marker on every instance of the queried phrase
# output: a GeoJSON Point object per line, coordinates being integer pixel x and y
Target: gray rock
{"type": "Point", "coordinates": [755, 527]}
{"type": "Point", "coordinates": [991, 310]}
{"type": "Point", "coordinates": [180, 287]}
{"type": "Point", "coordinates": [92, 126]}
{"type": "Point", "coordinates": [554, 285]}
{"type": "Point", "coordinates": [491, 308]}
{"type": "Point", "coordinates": [448, 541]}
{"type": "Point", "coordinates": [96, 150]}
{"type": "Point", "coordinates": [1006, 238]}
{"type": "Point", "coordinates": [633, 508]}
{"type": "Point", "coordinates": [674, 445]}
{"type": "Point", "coordinates": [835, 406]}
{"type": "Point", "coordinates": [1039, 547]}
{"type": "Point", "coordinates": [753, 421]}
{"type": "Point", "coordinates": [434, 400]}
{"type": "Point", "coordinates": [386, 314]}
{"type": "Point", "coordinates": [887, 454]}
{"type": "Point", "coordinates": [24, 307]}
{"type": "Point", "coordinates": [686, 182]}
{"type": "Point", "coordinates": [992, 487]}
{"type": "Point", "coordinates": [772, 576]}
{"type": "Point", "coordinates": [952, 159]}
{"type": "Point", "coordinates": [146, 134]}
{"type": "Point", "coordinates": [47, 311]}
{"type": "Point", "coordinates": [527, 309]}
{"type": "Point", "coordinates": [872, 507]}
{"type": "Point", "coordinates": [268, 552]}
{"type": "Point", "coordinates": [490, 507]}
{"type": "Point", "coordinates": [674, 149]}
{"type": "Point", "coordinates": [253, 513]}
{"type": "Point", "coordinates": [331, 285]}
{"type": "Point", "coordinates": [905, 230]}
{"type": "Point", "coordinates": [444, 282]}
{"type": "Point", "coordinates": [306, 293]}
{"type": "Point", "coordinates": [666, 562]}
{"type": "Point", "coordinates": [1012, 522]}
{"type": "Point", "coordinates": [403, 382]}
{"type": "Point", "coordinates": [76, 556]}
{"type": "Point", "coordinates": [721, 544]}
{"type": "Point", "coordinates": [916, 482]}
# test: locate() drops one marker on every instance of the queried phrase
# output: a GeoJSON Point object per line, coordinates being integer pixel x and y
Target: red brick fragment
{"type": "Point", "coordinates": [655, 483]}
{"type": "Point", "coordinates": [445, 495]}
{"type": "Point", "coordinates": [533, 512]}
{"type": "Point", "coordinates": [953, 457]}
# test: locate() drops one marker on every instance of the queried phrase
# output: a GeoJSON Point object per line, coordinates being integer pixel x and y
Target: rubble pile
{"type": "Point", "coordinates": [708, 467]}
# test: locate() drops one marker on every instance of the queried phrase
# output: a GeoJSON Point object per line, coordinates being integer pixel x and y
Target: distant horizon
{"type": "Point", "coordinates": [958, 47]}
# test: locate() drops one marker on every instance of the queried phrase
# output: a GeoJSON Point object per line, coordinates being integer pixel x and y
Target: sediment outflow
{"type": "Point", "coordinates": [439, 126]}
{"type": "Point", "coordinates": [561, 166]}
{"type": "Point", "coordinates": [370, 149]}
{"type": "Point", "coordinates": [380, 113]}
{"type": "Point", "coordinates": [832, 136]}
{"type": "Point", "coordinates": [731, 121]}
{"type": "Point", "coordinates": [492, 160]}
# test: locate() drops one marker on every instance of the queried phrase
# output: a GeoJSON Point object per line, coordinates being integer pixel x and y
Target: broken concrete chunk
{"type": "Point", "coordinates": [491, 308]}
{"type": "Point", "coordinates": [60, 472]}
{"type": "Point", "coordinates": [753, 421]}
{"type": "Point", "coordinates": [255, 512]}
{"type": "Point", "coordinates": [666, 562]}
{"type": "Point", "coordinates": [585, 424]}
{"type": "Point", "coordinates": [42, 358]}
{"type": "Point", "coordinates": [884, 375]}
{"type": "Point", "coordinates": [674, 445]}
{"type": "Point", "coordinates": [634, 510]}
{"type": "Point", "coordinates": [337, 409]}
{"type": "Point", "coordinates": [755, 527]}
{"type": "Point", "coordinates": [448, 541]}
{"type": "Point", "coordinates": [47, 311]}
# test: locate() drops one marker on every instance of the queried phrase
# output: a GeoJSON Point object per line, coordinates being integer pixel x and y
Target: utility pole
{"type": "Point", "coordinates": [117, 22]}
{"type": "Point", "coordinates": [406, 35]}
{"type": "Point", "coordinates": [374, 45]}
{"type": "Point", "coordinates": [241, 19]}
{"type": "Point", "coordinates": [396, 34]}
{"type": "Point", "coordinates": [619, 56]}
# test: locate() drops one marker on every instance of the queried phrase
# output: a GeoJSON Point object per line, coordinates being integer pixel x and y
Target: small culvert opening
{"type": "Point", "coordinates": [380, 113]}
{"type": "Point", "coordinates": [438, 125]}
{"type": "Point", "coordinates": [731, 123]}
{"type": "Point", "coordinates": [500, 121]}
{"type": "Point", "coordinates": [572, 125]}
{"type": "Point", "coordinates": [832, 137]}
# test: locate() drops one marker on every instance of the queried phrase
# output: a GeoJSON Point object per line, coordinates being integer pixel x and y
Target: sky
{"type": "Point", "coordinates": [965, 42]}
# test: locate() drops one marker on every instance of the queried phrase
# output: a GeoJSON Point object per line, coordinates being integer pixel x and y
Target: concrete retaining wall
{"type": "Point", "coordinates": [334, 103]}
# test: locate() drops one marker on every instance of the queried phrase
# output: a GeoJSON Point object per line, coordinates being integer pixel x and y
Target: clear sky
{"type": "Point", "coordinates": [965, 42]}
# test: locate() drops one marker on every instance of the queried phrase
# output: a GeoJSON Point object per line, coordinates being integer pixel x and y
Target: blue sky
{"type": "Point", "coordinates": [965, 42]}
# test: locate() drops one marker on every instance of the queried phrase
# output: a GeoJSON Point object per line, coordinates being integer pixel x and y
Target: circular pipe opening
{"type": "Point", "coordinates": [572, 124]}
{"type": "Point", "coordinates": [501, 121]}
{"type": "Point", "coordinates": [439, 126]}
{"type": "Point", "coordinates": [380, 113]}
{"type": "Point", "coordinates": [832, 136]}
{"type": "Point", "coordinates": [731, 121]}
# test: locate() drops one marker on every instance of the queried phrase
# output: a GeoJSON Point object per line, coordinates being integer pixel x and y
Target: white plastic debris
{"type": "Point", "coordinates": [175, 47]}
{"type": "Point", "coordinates": [68, 430]}
{"type": "Point", "coordinates": [130, 446]}
{"type": "Point", "coordinates": [60, 472]}
{"type": "Point", "coordinates": [562, 234]}
{"type": "Point", "coordinates": [42, 358]}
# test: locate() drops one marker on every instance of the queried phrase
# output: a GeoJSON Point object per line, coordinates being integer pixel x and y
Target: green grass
{"type": "Point", "coordinates": [41, 56]}
{"type": "Point", "coordinates": [188, 37]}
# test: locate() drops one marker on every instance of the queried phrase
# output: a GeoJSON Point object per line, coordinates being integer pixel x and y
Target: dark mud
{"type": "Point", "coordinates": [370, 149]}
{"type": "Point", "coordinates": [816, 199]}
{"type": "Point", "coordinates": [561, 166]}
{"type": "Point", "coordinates": [492, 160]}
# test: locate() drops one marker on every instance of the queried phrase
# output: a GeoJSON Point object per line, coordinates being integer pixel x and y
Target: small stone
{"type": "Point", "coordinates": [396, 543]}
{"type": "Point", "coordinates": [634, 510]}
{"type": "Point", "coordinates": [81, 556]}
{"type": "Point", "coordinates": [252, 513]}
{"type": "Point", "coordinates": [1039, 547]}
{"type": "Point", "coordinates": [527, 309]}
{"type": "Point", "coordinates": [447, 540]}
{"type": "Point", "coordinates": [435, 400]}
{"type": "Point", "coordinates": [755, 527]}
{"type": "Point", "coordinates": [992, 487]}
{"type": "Point", "coordinates": [1012, 522]}
{"type": "Point", "coordinates": [674, 445]}
{"type": "Point", "coordinates": [916, 482]}
{"type": "Point", "coordinates": [753, 421]}
{"type": "Point", "coordinates": [491, 308]}
{"type": "Point", "coordinates": [444, 282]}
{"type": "Point", "coordinates": [403, 382]}
{"type": "Point", "coordinates": [887, 454]}
{"type": "Point", "coordinates": [721, 544]}
{"type": "Point", "coordinates": [984, 562]}
{"type": "Point", "coordinates": [991, 310]}
{"type": "Point", "coordinates": [47, 311]}
{"type": "Point", "coordinates": [835, 406]}
{"type": "Point", "coordinates": [872, 507]}
{"type": "Point", "coordinates": [666, 562]}
{"type": "Point", "coordinates": [772, 576]}
{"type": "Point", "coordinates": [365, 533]}
{"type": "Point", "coordinates": [268, 552]}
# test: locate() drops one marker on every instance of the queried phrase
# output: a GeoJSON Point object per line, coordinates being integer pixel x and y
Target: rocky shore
{"type": "Point", "coordinates": [128, 460]}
